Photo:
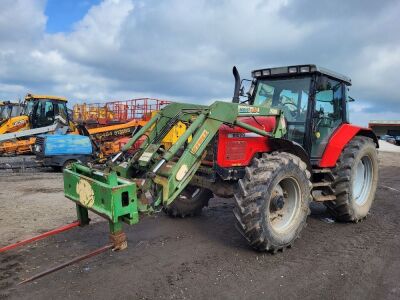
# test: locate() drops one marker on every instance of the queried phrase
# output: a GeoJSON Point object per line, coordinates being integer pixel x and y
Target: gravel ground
{"type": "Point", "coordinates": [197, 258]}
{"type": "Point", "coordinates": [388, 147]}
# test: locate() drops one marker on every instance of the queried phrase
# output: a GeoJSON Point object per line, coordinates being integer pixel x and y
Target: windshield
{"type": "Point", "coordinates": [4, 112]}
{"type": "Point", "coordinates": [289, 94]}
{"type": "Point", "coordinates": [28, 107]}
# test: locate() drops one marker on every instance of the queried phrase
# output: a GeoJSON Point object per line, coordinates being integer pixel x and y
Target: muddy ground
{"type": "Point", "coordinates": [197, 258]}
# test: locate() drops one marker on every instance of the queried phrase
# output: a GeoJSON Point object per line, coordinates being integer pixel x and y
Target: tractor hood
{"type": "Point", "coordinates": [237, 146]}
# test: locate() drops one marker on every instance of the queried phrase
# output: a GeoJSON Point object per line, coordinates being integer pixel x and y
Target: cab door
{"type": "Point", "coordinates": [328, 113]}
{"type": "Point", "coordinates": [43, 114]}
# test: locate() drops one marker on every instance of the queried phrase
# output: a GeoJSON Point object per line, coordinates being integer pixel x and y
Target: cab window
{"type": "Point", "coordinates": [328, 113]}
{"type": "Point", "coordinates": [290, 95]}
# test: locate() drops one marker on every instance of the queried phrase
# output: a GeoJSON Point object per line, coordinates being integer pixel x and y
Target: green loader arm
{"type": "Point", "coordinates": [153, 176]}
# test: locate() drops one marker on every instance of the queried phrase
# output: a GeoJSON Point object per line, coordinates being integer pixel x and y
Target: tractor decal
{"type": "Point", "coordinates": [85, 192]}
{"type": "Point", "coordinates": [245, 109]}
{"type": "Point", "coordinates": [199, 142]}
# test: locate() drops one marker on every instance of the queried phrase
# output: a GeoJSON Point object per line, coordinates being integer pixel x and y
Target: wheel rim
{"type": "Point", "coordinates": [362, 180]}
{"type": "Point", "coordinates": [284, 204]}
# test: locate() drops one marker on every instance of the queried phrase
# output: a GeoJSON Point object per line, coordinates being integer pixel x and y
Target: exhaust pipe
{"type": "Point", "coordinates": [236, 92]}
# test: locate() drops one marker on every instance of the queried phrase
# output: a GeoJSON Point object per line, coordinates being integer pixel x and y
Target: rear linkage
{"type": "Point", "coordinates": [154, 176]}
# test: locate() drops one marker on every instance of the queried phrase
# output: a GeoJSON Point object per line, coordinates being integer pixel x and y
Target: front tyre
{"type": "Point", "coordinates": [356, 180]}
{"type": "Point", "coordinates": [272, 203]}
{"type": "Point", "coordinates": [190, 202]}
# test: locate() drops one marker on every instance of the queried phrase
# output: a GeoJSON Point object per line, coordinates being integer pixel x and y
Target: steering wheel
{"type": "Point", "coordinates": [289, 108]}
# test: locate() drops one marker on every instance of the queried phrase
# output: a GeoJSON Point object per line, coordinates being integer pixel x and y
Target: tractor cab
{"type": "Point", "coordinates": [42, 109]}
{"type": "Point", "coordinates": [313, 100]}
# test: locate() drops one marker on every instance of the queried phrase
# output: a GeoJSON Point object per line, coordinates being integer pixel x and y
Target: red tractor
{"type": "Point", "coordinates": [327, 159]}
{"type": "Point", "coordinates": [287, 143]}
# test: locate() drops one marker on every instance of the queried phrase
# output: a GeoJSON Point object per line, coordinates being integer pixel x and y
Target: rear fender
{"type": "Point", "coordinates": [340, 138]}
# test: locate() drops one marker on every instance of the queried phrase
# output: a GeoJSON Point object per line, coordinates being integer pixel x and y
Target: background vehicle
{"type": "Point", "coordinates": [9, 110]}
{"type": "Point", "coordinates": [117, 112]}
{"type": "Point", "coordinates": [40, 114]}
{"type": "Point", "coordinates": [38, 111]}
{"type": "Point", "coordinates": [288, 143]}
{"type": "Point", "coordinates": [60, 150]}
{"type": "Point", "coordinates": [388, 138]}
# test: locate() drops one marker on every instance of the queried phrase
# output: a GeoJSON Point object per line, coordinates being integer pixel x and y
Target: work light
{"type": "Point", "coordinates": [266, 72]}
{"type": "Point", "coordinates": [304, 69]}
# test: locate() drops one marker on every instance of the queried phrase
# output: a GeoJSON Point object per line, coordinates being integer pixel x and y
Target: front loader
{"type": "Point", "coordinates": [288, 143]}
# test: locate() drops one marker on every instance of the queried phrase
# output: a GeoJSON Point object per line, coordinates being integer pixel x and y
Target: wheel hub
{"type": "Point", "coordinates": [277, 202]}
{"type": "Point", "coordinates": [284, 204]}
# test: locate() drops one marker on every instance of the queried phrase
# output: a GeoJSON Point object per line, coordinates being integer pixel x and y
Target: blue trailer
{"type": "Point", "coordinates": [60, 150]}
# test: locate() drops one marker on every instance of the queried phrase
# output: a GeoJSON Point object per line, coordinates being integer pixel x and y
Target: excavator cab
{"type": "Point", "coordinates": [9, 110]}
{"type": "Point", "coordinates": [42, 109]}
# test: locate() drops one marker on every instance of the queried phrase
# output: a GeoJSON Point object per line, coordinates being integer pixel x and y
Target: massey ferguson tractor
{"type": "Point", "coordinates": [284, 143]}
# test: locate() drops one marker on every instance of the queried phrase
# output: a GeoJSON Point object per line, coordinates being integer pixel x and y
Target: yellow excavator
{"type": "Point", "coordinates": [9, 110]}
{"type": "Point", "coordinates": [40, 114]}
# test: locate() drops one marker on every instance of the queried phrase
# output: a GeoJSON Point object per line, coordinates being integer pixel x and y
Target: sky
{"type": "Point", "coordinates": [102, 50]}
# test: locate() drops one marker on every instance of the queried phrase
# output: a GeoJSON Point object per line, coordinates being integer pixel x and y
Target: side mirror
{"type": "Point", "coordinates": [350, 99]}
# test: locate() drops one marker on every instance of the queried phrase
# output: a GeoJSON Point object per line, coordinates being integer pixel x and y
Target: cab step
{"type": "Point", "coordinates": [322, 198]}
{"type": "Point", "coordinates": [321, 184]}
{"type": "Point", "coordinates": [325, 170]}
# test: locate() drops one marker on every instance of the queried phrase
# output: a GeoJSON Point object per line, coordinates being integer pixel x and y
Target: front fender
{"type": "Point", "coordinates": [294, 148]}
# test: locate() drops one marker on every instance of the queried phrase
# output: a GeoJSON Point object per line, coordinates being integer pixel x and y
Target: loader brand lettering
{"type": "Point", "coordinates": [116, 133]}
{"type": "Point", "coordinates": [199, 141]}
{"type": "Point", "coordinates": [245, 109]}
{"type": "Point", "coordinates": [243, 135]}
{"type": "Point", "coordinates": [19, 123]}
{"type": "Point", "coordinates": [273, 111]}
{"type": "Point", "coordinates": [85, 192]}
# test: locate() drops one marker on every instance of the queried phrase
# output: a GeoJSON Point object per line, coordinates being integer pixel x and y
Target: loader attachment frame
{"type": "Point", "coordinates": [153, 177]}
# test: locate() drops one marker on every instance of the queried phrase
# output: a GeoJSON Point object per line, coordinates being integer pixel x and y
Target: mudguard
{"type": "Point", "coordinates": [340, 139]}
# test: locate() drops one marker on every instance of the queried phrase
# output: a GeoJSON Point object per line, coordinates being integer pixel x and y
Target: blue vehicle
{"type": "Point", "coordinates": [61, 150]}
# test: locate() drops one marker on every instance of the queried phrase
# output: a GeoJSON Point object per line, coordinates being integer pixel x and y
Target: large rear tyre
{"type": "Point", "coordinates": [272, 202]}
{"type": "Point", "coordinates": [190, 202]}
{"type": "Point", "coordinates": [356, 180]}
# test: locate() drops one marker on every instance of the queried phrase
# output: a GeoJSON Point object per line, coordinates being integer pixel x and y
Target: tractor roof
{"type": "Point", "coordinates": [299, 70]}
{"type": "Point", "coordinates": [44, 97]}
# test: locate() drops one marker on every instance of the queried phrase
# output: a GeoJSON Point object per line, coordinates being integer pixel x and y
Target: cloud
{"type": "Point", "coordinates": [184, 50]}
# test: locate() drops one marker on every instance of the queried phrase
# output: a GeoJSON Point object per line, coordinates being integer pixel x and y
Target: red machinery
{"type": "Point", "coordinates": [117, 112]}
